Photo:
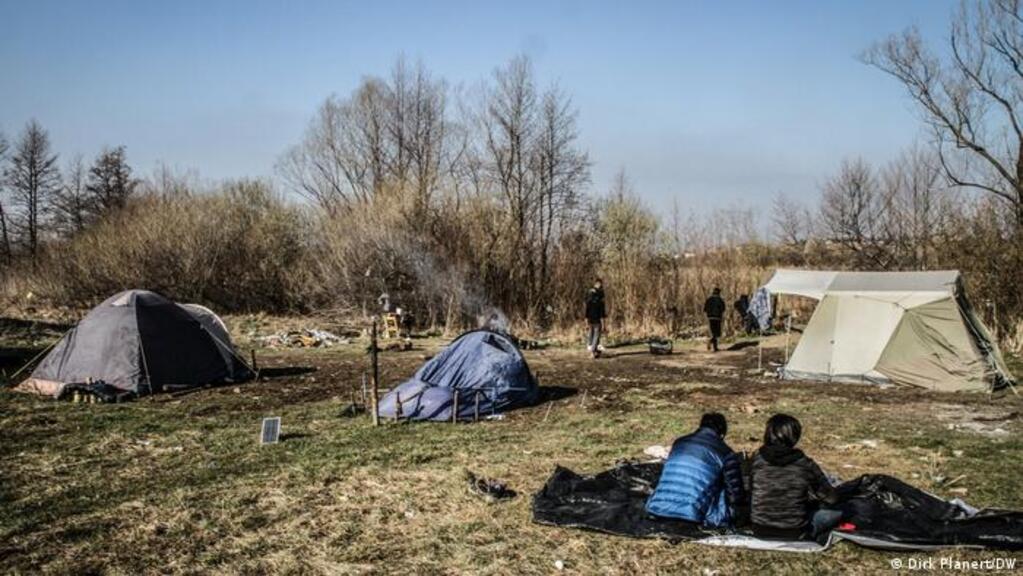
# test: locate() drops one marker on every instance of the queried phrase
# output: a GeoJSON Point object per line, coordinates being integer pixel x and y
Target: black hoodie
{"type": "Point", "coordinates": [786, 488]}
{"type": "Point", "coordinates": [595, 311]}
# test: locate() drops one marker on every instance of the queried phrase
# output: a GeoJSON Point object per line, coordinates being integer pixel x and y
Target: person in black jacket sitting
{"type": "Point", "coordinates": [595, 314]}
{"type": "Point", "coordinates": [790, 493]}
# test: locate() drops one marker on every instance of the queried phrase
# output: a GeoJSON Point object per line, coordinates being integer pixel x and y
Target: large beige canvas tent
{"type": "Point", "coordinates": [908, 328]}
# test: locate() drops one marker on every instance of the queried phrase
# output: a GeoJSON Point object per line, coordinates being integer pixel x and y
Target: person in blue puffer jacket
{"type": "Point", "coordinates": [702, 478]}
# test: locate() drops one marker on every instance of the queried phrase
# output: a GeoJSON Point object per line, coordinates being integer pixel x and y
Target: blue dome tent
{"type": "Point", "coordinates": [479, 364]}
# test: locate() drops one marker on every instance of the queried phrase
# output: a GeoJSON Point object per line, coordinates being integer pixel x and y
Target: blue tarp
{"type": "Point", "coordinates": [481, 364]}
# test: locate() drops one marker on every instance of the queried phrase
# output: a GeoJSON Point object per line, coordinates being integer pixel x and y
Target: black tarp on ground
{"type": "Point", "coordinates": [883, 509]}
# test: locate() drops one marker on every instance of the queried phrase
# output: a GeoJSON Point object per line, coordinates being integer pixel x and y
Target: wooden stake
{"type": "Point", "coordinates": [364, 388]}
{"type": "Point", "coordinates": [760, 357]}
{"type": "Point", "coordinates": [397, 406]}
{"type": "Point", "coordinates": [376, 374]}
{"type": "Point", "coordinates": [549, 406]}
{"type": "Point", "coordinates": [255, 365]}
{"type": "Point", "coordinates": [476, 414]}
{"type": "Point", "coordinates": [454, 409]}
{"type": "Point", "coordinates": [788, 328]}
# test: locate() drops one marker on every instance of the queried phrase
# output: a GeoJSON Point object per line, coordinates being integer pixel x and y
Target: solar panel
{"type": "Point", "coordinates": [271, 430]}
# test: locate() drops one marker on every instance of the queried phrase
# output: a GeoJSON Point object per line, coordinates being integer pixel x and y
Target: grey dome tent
{"type": "Point", "coordinates": [216, 328]}
{"type": "Point", "coordinates": [139, 342]}
{"type": "Point", "coordinates": [481, 365]}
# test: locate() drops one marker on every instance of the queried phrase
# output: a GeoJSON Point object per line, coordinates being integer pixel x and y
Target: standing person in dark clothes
{"type": "Point", "coordinates": [714, 308]}
{"type": "Point", "coordinates": [741, 307]}
{"type": "Point", "coordinates": [790, 492]}
{"type": "Point", "coordinates": [595, 314]}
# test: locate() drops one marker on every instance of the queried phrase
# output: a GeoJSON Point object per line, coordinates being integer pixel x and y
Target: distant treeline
{"type": "Point", "coordinates": [455, 200]}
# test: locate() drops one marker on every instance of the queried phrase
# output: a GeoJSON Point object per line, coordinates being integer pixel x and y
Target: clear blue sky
{"type": "Point", "coordinates": [712, 103]}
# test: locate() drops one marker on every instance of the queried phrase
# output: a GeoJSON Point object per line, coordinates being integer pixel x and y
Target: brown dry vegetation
{"type": "Point", "coordinates": [179, 484]}
{"type": "Point", "coordinates": [455, 202]}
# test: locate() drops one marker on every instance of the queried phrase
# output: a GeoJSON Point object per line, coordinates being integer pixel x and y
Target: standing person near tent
{"type": "Point", "coordinates": [714, 308]}
{"type": "Point", "coordinates": [741, 307]}
{"type": "Point", "coordinates": [702, 479]}
{"type": "Point", "coordinates": [790, 493]}
{"type": "Point", "coordinates": [596, 311]}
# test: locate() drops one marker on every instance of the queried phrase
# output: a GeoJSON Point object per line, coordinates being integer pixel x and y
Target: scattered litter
{"type": "Point", "coordinates": [560, 565]}
{"type": "Point", "coordinates": [410, 514]}
{"type": "Point", "coordinates": [865, 443]}
{"type": "Point", "coordinates": [978, 428]}
{"type": "Point", "coordinates": [997, 417]}
{"type": "Point", "coordinates": [960, 491]}
{"type": "Point", "coordinates": [957, 453]}
{"type": "Point", "coordinates": [657, 451]}
{"type": "Point", "coordinates": [954, 480]}
{"type": "Point", "coordinates": [400, 346]}
{"type": "Point", "coordinates": [489, 489]}
{"type": "Point", "coordinates": [352, 410]}
{"type": "Point", "coordinates": [661, 347]}
{"type": "Point", "coordinates": [494, 417]}
{"type": "Point", "coordinates": [309, 338]}
{"type": "Point", "coordinates": [970, 510]}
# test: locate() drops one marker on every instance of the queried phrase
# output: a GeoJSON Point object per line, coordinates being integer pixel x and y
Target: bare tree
{"type": "Point", "coordinates": [851, 214]}
{"type": "Point", "coordinates": [417, 131]}
{"type": "Point", "coordinates": [627, 234]}
{"type": "Point", "coordinates": [342, 158]}
{"type": "Point", "coordinates": [110, 183]}
{"type": "Point", "coordinates": [72, 205]}
{"type": "Point", "coordinates": [563, 170]}
{"type": "Point", "coordinates": [32, 176]}
{"type": "Point", "coordinates": [973, 98]}
{"type": "Point", "coordinates": [167, 182]}
{"type": "Point", "coordinates": [791, 221]}
{"type": "Point", "coordinates": [917, 208]}
{"type": "Point", "coordinates": [4, 235]}
{"type": "Point", "coordinates": [510, 128]}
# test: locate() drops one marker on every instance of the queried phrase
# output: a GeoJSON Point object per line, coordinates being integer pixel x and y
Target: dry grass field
{"type": "Point", "coordinates": [179, 484]}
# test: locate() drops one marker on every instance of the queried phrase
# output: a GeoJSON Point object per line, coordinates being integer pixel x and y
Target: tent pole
{"type": "Point", "coordinates": [36, 357]}
{"type": "Point", "coordinates": [376, 373]}
{"type": "Point", "coordinates": [788, 328]}
{"type": "Point", "coordinates": [760, 357]}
